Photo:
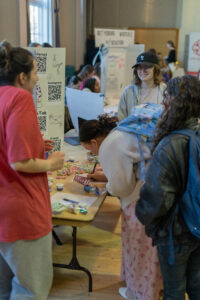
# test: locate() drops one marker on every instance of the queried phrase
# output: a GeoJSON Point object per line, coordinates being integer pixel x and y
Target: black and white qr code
{"type": "Point", "coordinates": [42, 119]}
{"type": "Point", "coordinates": [57, 143]}
{"type": "Point", "coordinates": [54, 91]}
{"type": "Point", "coordinates": [41, 59]}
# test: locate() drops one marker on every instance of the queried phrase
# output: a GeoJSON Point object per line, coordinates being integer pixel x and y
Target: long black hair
{"type": "Point", "coordinates": [13, 61]}
{"type": "Point", "coordinates": [184, 94]}
{"type": "Point", "coordinates": [89, 84]}
{"type": "Point", "coordinates": [93, 129]}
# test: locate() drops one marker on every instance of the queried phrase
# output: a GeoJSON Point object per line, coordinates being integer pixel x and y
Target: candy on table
{"type": "Point", "coordinates": [75, 167]}
{"type": "Point", "coordinates": [82, 180]}
{"type": "Point", "coordinates": [60, 177]}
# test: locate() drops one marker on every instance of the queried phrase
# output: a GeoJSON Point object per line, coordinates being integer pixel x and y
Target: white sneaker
{"type": "Point", "coordinates": [122, 292]}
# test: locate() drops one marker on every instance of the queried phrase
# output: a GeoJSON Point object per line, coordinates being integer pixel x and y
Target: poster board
{"type": "Point", "coordinates": [193, 53]}
{"type": "Point", "coordinates": [113, 37]}
{"type": "Point", "coordinates": [49, 93]}
{"type": "Point", "coordinates": [86, 105]}
{"type": "Point", "coordinates": [117, 69]}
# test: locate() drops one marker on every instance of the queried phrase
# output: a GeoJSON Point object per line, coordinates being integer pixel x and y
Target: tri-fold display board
{"type": "Point", "coordinates": [49, 93]}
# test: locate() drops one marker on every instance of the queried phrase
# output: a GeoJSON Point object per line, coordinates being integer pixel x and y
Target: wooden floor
{"type": "Point", "coordinates": [99, 250]}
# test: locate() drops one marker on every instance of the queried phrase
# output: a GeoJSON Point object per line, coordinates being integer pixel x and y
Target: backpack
{"type": "Point", "coordinates": [189, 203]}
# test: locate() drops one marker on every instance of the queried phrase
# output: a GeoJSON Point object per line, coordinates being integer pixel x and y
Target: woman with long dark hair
{"type": "Point", "coordinates": [164, 186]}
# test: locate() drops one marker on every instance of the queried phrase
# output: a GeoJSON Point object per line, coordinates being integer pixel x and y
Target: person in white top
{"type": "Point", "coordinates": [120, 158]}
{"type": "Point", "coordinates": [147, 86]}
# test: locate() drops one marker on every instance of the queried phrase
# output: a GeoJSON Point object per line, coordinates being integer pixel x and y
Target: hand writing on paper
{"type": "Point", "coordinates": [98, 176]}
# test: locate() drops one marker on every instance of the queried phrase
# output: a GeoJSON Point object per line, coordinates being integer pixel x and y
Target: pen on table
{"type": "Point", "coordinates": [93, 170]}
{"type": "Point", "coordinates": [72, 201]}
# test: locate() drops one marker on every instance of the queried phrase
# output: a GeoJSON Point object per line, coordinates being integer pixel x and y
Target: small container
{"type": "Point", "coordinates": [50, 186]}
{"type": "Point", "coordinates": [59, 186]}
{"type": "Point", "coordinates": [50, 179]}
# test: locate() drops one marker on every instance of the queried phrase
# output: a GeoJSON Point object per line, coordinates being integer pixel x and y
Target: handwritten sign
{"type": "Point", "coordinates": [114, 37]}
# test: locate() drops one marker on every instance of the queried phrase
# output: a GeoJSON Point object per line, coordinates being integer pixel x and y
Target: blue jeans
{"type": "Point", "coordinates": [184, 275]}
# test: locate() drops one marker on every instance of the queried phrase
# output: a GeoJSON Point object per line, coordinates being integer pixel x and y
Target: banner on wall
{"type": "Point", "coordinates": [114, 37]}
{"type": "Point", "coordinates": [193, 57]}
{"type": "Point", "coordinates": [49, 93]}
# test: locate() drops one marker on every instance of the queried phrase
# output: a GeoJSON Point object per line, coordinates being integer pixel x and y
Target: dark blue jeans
{"type": "Point", "coordinates": [184, 275]}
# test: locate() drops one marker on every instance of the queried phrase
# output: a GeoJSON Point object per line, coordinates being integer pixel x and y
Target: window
{"type": "Point", "coordinates": [41, 21]}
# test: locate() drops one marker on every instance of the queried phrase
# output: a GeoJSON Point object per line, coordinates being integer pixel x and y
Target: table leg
{"type": "Point", "coordinates": [58, 241]}
{"type": "Point", "coordinates": [74, 263]}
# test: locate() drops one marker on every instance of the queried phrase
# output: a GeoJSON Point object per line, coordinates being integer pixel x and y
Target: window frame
{"type": "Point", "coordinates": [45, 21]}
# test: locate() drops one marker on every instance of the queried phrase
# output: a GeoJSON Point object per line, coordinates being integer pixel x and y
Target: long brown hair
{"type": "Point", "coordinates": [184, 96]}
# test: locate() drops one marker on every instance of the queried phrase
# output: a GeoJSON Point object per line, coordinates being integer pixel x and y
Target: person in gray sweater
{"type": "Point", "coordinates": [147, 86]}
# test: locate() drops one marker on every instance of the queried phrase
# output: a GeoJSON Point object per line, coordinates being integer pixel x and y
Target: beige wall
{"type": "Point", "coordinates": [181, 14]}
{"type": "Point", "coordinates": [135, 13]}
{"type": "Point", "coordinates": [9, 21]}
{"type": "Point", "coordinates": [67, 29]}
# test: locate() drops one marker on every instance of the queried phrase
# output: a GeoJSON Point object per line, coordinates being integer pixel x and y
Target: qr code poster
{"type": "Point", "coordinates": [41, 59]}
{"type": "Point", "coordinates": [54, 92]}
{"type": "Point", "coordinates": [49, 93]}
{"type": "Point", "coordinates": [58, 143]}
{"type": "Point", "coordinates": [43, 121]}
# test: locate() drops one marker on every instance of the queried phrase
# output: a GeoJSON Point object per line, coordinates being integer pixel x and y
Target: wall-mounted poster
{"type": "Point", "coordinates": [49, 93]}
{"type": "Point", "coordinates": [193, 57]}
{"type": "Point", "coordinates": [114, 37]}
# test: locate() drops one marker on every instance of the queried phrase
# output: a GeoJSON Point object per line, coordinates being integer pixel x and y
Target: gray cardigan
{"type": "Point", "coordinates": [130, 97]}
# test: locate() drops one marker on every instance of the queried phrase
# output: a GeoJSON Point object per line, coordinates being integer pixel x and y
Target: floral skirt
{"type": "Point", "coordinates": [140, 266]}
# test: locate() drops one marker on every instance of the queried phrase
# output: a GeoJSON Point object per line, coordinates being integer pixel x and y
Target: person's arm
{"type": "Point", "coordinates": [159, 192]}
{"type": "Point", "coordinates": [54, 162]}
{"type": "Point", "coordinates": [98, 176]}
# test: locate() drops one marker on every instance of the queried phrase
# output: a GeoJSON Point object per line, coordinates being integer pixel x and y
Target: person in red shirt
{"type": "Point", "coordinates": [25, 214]}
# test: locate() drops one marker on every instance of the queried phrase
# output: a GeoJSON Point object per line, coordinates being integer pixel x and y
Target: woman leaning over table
{"type": "Point", "coordinates": [25, 214]}
{"type": "Point", "coordinates": [120, 159]}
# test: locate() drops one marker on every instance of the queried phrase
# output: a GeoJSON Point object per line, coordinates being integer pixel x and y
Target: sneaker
{"type": "Point", "coordinates": [122, 292]}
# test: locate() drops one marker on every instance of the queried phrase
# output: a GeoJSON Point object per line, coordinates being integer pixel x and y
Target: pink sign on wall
{"type": "Point", "coordinates": [193, 63]}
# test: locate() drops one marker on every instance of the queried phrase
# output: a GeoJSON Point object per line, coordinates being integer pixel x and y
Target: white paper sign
{"type": "Point", "coordinates": [87, 200]}
{"type": "Point", "coordinates": [114, 37]}
{"type": "Point", "coordinates": [193, 63]}
{"type": "Point", "coordinates": [83, 104]}
{"type": "Point", "coordinates": [118, 72]}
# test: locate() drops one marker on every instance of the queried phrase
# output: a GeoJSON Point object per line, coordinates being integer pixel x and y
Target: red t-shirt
{"type": "Point", "coordinates": [25, 209]}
